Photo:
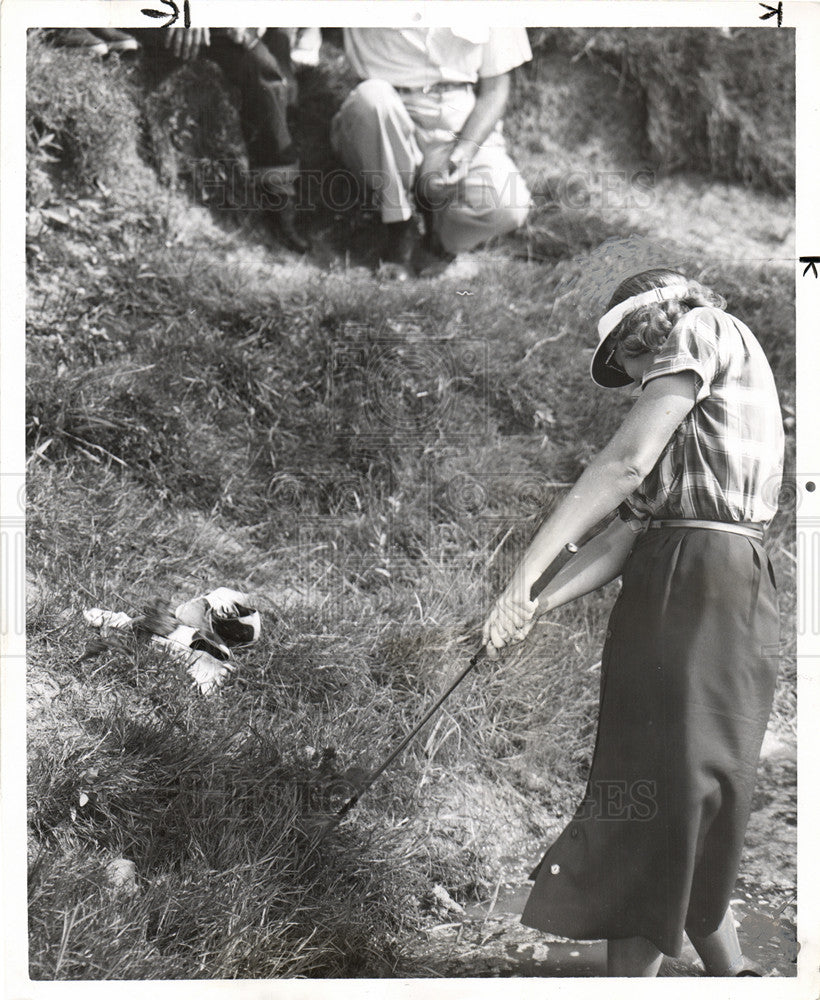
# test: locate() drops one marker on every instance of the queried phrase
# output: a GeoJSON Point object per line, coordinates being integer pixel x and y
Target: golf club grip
{"type": "Point", "coordinates": [554, 568]}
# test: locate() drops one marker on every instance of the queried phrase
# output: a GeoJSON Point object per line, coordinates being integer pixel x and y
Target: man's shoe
{"type": "Point", "coordinates": [116, 40]}
{"type": "Point", "coordinates": [400, 242]}
{"type": "Point", "coordinates": [281, 222]}
{"type": "Point", "coordinates": [433, 261]}
{"type": "Point", "coordinates": [80, 39]}
{"type": "Point", "coordinates": [750, 968]}
{"type": "Point", "coordinates": [277, 199]}
{"type": "Point", "coordinates": [286, 222]}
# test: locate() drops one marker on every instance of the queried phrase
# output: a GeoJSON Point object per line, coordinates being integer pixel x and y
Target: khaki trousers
{"type": "Point", "coordinates": [389, 139]}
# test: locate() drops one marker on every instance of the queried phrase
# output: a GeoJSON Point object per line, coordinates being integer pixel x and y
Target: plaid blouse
{"type": "Point", "coordinates": [725, 460]}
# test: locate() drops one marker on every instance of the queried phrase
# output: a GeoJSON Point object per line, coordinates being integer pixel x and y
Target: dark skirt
{"type": "Point", "coordinates": [687, 681]}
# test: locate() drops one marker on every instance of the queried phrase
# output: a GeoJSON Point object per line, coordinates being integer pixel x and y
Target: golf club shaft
{"type": "Point", "coordinates": [407, 739]}
{"type": "Point", "coordinates": [566, 553]}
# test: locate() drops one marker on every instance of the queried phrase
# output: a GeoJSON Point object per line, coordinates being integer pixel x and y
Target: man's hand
{"type": "Point", "coordinates": [185, 43]}
{"type": "Point", "coordinates": [458, 167]}
{"type": "Point", "coordinates": [509, 621]}
{"type": "Point", "coordinates": [246, 37]}
{"type": "Point", "coordinates": [437, 187]}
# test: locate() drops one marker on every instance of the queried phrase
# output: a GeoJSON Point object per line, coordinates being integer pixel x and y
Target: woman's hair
{"type": "Point", "coordinates": [646, 328]}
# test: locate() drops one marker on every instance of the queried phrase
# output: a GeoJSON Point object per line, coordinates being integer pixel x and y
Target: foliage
{"type": "Point", "coordinates": [80, 113]}
{"type": "Point", "coordinates": [716, 100]}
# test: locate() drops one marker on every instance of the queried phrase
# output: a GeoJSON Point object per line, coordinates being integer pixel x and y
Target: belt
{"type": "Point", "coordinates": [748, 528]}
{"type": "Point", "coordinates": [434, 88]}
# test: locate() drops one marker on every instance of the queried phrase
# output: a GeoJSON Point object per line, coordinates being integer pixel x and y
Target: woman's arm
{"type": "Point", "coordinates": [596, 563]}
{"type": "Point", "coordinates": [607, 481]}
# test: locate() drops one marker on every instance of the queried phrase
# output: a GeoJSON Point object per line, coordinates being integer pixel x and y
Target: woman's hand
{"type": "Point", "coordinates": [509, 621]}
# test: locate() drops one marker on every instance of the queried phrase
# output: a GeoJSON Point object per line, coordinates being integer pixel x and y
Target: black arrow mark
{"type": "Point", "coordinates": [771, 11]}
{"type": "Point", "coordinates": [811, 265]}
{"type": "Point", "coordinates": [173, 17]}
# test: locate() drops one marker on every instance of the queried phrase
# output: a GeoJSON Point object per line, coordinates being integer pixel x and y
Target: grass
{"type": "Point", "coordinates": [227, 886]}
{"type": "Point", "coordinates": [82, 125]}
{"type": "Point", "coordinates": [367, 460]}
{"type": "Point", "coordinates": [724, 79]}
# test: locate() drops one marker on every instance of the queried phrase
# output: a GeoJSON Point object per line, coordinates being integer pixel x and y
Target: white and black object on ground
{"type": "Point", "coordinates": [226, 612]}
{"type": "Point", "coordinates": [201, 633]}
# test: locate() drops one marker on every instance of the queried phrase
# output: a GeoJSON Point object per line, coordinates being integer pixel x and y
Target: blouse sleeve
{"type": "Point", "coordinates": [692, 345]}
{"type": "Point", "coordinates": [632, 515]}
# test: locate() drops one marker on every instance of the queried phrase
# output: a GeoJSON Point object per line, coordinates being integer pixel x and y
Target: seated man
{"type": "Point", "coordinates": [426, 121]}
{"type": "Point", "coordinates": [257, 61]}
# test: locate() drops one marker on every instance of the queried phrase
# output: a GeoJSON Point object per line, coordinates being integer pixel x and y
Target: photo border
{"type": "Point", "coordinates": [18, 15]}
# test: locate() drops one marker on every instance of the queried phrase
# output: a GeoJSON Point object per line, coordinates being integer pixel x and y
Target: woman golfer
{"type": "Point", "coordinates": [688, 667]}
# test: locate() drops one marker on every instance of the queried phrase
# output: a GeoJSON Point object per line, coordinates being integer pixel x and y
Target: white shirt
{"type": "Point", "coordinates": [418, 57]}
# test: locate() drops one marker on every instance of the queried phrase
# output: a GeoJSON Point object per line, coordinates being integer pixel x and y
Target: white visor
{"type": "Point", "coordinates": [606, 375]}
{"type": "Point", "coordinates": [608, 322]}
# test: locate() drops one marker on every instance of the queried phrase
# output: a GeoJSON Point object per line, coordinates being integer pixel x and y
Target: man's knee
{"type": "Point", "coordinates": [509, 200]}
{"type": "Point", "coordinates": [496, 222]}
{"type": "Point", "coordinates": [497, 208]}
{"type": "Point", "coordinates": [506, 218]}
{"type": "Point", "coordinates": [372, 95]}
{"type": "Point", "coordinates": [462, 227]}
{"type": "Point", "coordinates": [362, 116]}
